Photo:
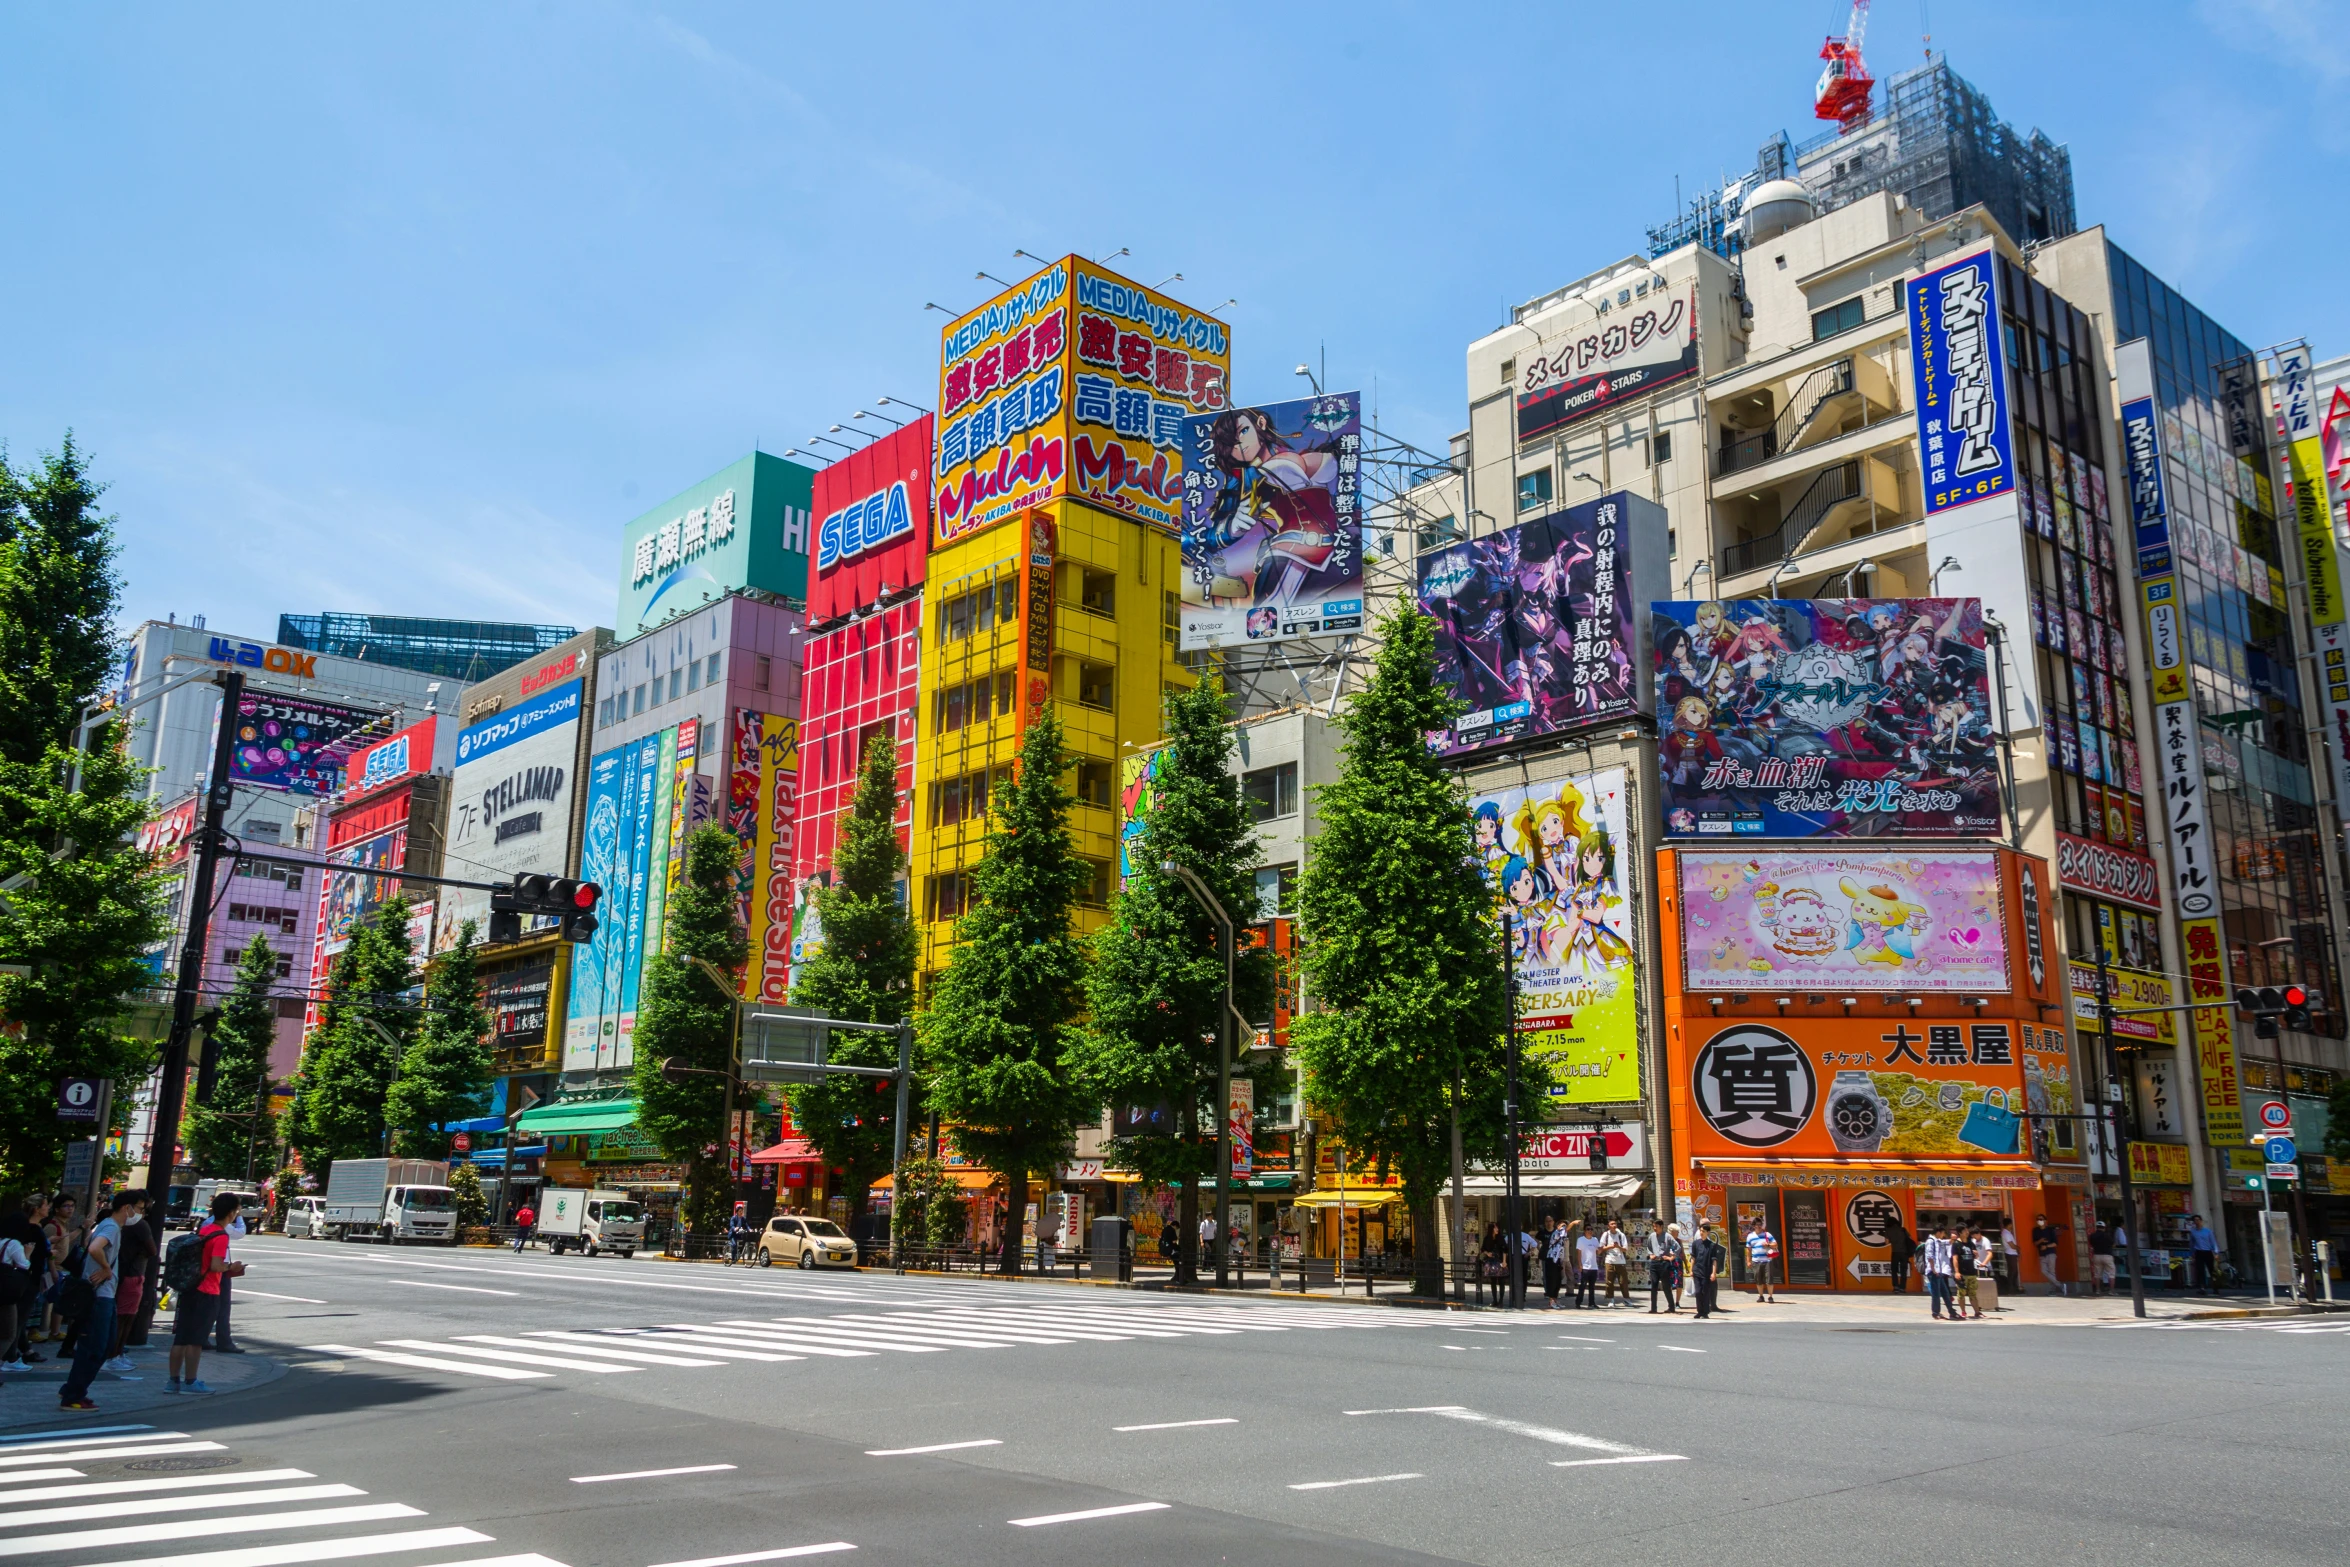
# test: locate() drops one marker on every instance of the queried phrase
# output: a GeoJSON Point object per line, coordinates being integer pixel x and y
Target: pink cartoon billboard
{"type": "Point", "coordinates": [1911, 922]}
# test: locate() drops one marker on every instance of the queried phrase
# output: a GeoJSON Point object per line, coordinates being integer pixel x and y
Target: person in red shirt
{"type": "Point", "coordinates": [526, 1219]}
{"type": "Point", "coordinates": [198, 1306]}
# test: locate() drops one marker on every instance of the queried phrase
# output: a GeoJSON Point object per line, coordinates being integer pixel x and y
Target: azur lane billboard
{"type": "Point", "coordinates": [1825, 718]}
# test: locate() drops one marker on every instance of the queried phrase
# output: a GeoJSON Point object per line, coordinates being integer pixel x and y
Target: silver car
{"type": "Point", "coordinates": [306, 1218]}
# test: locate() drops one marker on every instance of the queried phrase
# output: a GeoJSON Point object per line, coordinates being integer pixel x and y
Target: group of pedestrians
{"type": "Point", "coordinates": [1954, 1261]}
{"type": "Point", "coordinates": [1594, 1264]}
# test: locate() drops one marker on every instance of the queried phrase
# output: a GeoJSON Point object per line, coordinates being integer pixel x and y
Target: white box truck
{"type": "Point", "coordinates": [591, 1221]}
{"type": "Point", "coordinates": [390, 1200]}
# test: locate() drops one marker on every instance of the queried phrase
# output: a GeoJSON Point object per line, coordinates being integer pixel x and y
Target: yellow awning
{"type": "Point", "coordinates": [968, 1180]}
{"type": "Point", "coordinates": [1353, 1197]}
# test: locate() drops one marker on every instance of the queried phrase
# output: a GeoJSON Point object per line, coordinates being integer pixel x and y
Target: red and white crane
{"type": "Point", "coordinates": [1843, 91]}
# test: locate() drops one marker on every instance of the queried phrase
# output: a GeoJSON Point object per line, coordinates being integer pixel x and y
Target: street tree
{"type": "Point", "coordinates": [353, 1058]}
{"type": "Point", "coordinates": [1406, 1037]}
{"type": "Point", "coordinates": [996, 1036]}
{"type": "Point", "coordinates": [1155, 988]}
{"type": "Point", "coordinates": [83, 908]}
{"type": "Point", "coordinates": [445, 1072]}
{"type": "Point", "coordinates": [58, 596]}
{"type": "Point", "coordinates": [864, 972]}
{"type": "Point", "coordinates": [687, 1017]}
{"type": "Point", "coordinates": [236, 1130]}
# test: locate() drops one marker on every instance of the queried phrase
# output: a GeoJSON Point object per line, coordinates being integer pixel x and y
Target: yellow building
{"type": "Point", "coordinates": [1054, 566]}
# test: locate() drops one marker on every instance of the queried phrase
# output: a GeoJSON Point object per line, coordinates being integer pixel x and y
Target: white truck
{"type": "Point", "coordinates": [590, 1221]}
{"type": "Point", "coordinates": [389, 1200]}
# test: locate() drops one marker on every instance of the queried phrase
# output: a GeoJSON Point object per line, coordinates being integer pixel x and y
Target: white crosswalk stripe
{"type": "Point", "coordinates": [2293, 1325]}
{"type": "Point", "coordinates": [920, 1329]}
{"type": "Point", "coordinates": [123, 1519]}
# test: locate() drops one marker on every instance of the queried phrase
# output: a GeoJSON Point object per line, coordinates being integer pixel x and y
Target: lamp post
{"type": "Point", "coordinates": [1224, 1037]}
{"type": "Point", "coordinates": [734, 1066]}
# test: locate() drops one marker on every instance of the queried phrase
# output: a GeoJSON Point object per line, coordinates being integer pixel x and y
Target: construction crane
{"type": "Point", "coordinates": [1843, 91]}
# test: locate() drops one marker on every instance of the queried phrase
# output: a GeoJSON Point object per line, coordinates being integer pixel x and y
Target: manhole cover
{"type": "Point", "coordinates": [185, 1465]}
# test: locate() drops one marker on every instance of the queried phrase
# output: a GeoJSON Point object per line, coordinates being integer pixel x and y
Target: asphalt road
{"type": "Point", "coordinates": [534, 1399]}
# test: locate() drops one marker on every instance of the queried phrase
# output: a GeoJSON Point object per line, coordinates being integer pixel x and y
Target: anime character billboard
{"type": "Point", "coordinates": [1272, 522]}
{"type": "Point", "coordinates": [1825, 718]}
{"type": "Point", "coordinates": [1801, 919]}
{"type": "Point", "coordinates": [1535, 630]}
{"type": "Point", "coordinates": [1555, 855]}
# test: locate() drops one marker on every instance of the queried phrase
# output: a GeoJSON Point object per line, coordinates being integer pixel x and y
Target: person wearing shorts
{"type": "Point", "coordinates": [1762, 1259]}
{"type": "Point", "coordinates": [199, 1305]}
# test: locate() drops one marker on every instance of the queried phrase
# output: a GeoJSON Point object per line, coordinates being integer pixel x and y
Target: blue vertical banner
{"type": "Point", "coordinates": [644, 812]}
{"type": "Point", "coordinates": [2149, 504]}
{"type": "Point", "coordinates": [1961, 383]}
{"type": "Point", "coordinates": [585, 1027]}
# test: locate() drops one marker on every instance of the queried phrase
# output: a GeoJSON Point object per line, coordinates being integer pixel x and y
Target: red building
{"type": "Point", "coordinates": [863, 654]}
{"type": "Point", "coordinates": [390, 816]}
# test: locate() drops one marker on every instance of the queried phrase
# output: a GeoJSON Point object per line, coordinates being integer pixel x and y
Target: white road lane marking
{"type": "Point", "coordinates": [1681, 1349]}
{"type": "Point", "coordinates": [651, 1474]}
{"type": "Point", "coordinates": [429, 1363]}
{"type": "Point", "coordinates": [1090, 1512]}
{"type": "Point", "coordinates": [318, 1551]}
{"type": "Point", "coordinates": [1582, 1339]}
{"type": "Point", "coordinates": [607, 1344]}
{"type": "Point", "coordinates": [23, 1475]}
{"type": "Point", "coordinates": [61, 1436]}
{"type": "Point", "coordinates": [140, 1507]}
{"type": "Point", "coordinates": [1628, 1458]}
{"type": "Point", "coordinates": [935, 1447]}
{"type": "Point", "coordinates": [1550, 1434]}
{"type": "Point", "coordinates": [826, 1549]}
{"type": "Point", "coordinates": [509, 1356]}
{"type": "Point", "coordinates": [1496, 1332]}
{"type": "Point", "coordinates": [1332, 1485]}
{"type": "Point", "coordinates": [171, 1483]}
{"type": "Point", "coordinates": [467, 1289]}
{"type": "Point", "coordinates": [1178, 1425]}
{"type": "Point", "coordinates": [198, 1528]}
{"type": "Point", "coordinates": [85, 1455]}
{"type": "Point", "coordinates": [248, 1291]}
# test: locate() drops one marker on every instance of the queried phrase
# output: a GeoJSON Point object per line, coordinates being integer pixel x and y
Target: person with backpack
{"type": "Point", "coordinates": [137, 1249]}
{"type": "Point", "coordinates": [192, 1270]}
{"type": "Point", "coordinates": [86, 1294]}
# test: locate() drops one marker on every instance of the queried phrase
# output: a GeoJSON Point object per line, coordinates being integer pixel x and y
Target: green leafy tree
{"type": "Point", "coordinates": [467, 1197]}
{"type": "Point", "coordinates": [237, 1131]}
{"type": "Point", "coordinates": [1399, 947]}
{"type": "Point", "coordinates": [865, 972]}
{"type": "Point", "coordinates": [58, 596]}
{"type": "Point", "coordinates": [927, 1209]}
{"type": "Point", "coordinates": [997, 1032]}
{"type": "Point", "coordinates": [366, 1024]}
{"type": "Point", "coordinates": [445, 1074]}
{"type": "Point", "coordinates": [2338, 1120]}
{"type": "Point", "coordinates": [1155, 989]}
{"type": "Point", "coordinates": [85, 906]}
{"type": "Point", "coordinates": [686, 1016]}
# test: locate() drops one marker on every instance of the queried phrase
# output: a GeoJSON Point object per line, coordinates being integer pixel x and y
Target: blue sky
{"type": "Point", "coordinates": [411, 309]}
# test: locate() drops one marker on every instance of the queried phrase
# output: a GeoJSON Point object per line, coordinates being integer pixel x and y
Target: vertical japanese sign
{"type": "Point", "coordinates": [662, 843]}
{"type": "Point", "coordinates": [1240, 1115]}
{"type": "Point", "coordinates": [2178, 770]}
{"type": "Point", "coordinates": [1037, 617]}
{"type": "Point", "coordinates": [1961, 383]}
{"type": "Point", "coordinates": [601, 847]}
{"type": "Point", "coordinates": [763, 802]}
{"type": "Point", "coordinates": [2302, 440]}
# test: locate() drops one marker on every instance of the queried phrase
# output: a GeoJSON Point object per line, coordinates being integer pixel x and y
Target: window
{"type": "Point", "coordinates": [1509, 371]}
{"type": "Point", "coordinates": [762, 671]}
{"type": "Point", "coordinates": [693, 676]}
{"type": "Point", "coordinates": [1096, 684]}
{"type": "Point", "coordinates": [640, 699]}
{"type": "Point", "coordinates": [675, 675]}
{"type": "Point", "coordinates": [956, 800]}
{"type": "Point", "coordinates": [1270, 792]}
{"type": "Point", "coordinates": [980, 610]}
{"type": "Point", "coordinates": [1436, 535]}
{"type": "Point", "coordinates": [1093, 783]}
{"type": "Point", "coordinates": [1533, 489]}
{"type": "Point", "coordinates": [1096, 893]}
{"type": "Point", "coordinates": [1660, 448]}
{"type": "Point", "coordinates": [1842, 316]}
{"type": "Point", "coordinates": [1170, 615]}
{"type": "Point", "coordinates": [949, 896]}
{"type": "Point", "coordinates": [1097, 590]}
{"type": "Point", "coordinates": [710, 668]}
{"type": "Point", "coordinates": [972, 702]}
{"type": "Point", "coordinates": [1276, 891]}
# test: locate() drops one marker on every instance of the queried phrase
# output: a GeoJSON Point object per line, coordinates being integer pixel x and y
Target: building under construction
{"type": "Point", "coordinates": [1936, 143]}
{"type": "Point", "coordinates": [467, 650]}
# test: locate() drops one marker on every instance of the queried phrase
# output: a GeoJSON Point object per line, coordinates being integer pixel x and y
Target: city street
{"type": "Point", "coordinates": [445, 1407]}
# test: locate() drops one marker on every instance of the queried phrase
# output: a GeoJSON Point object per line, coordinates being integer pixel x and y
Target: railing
{"type": "Point", "coordinates": [1810, 395]}
{"type": "Point", "coordinates": [1832, 487]}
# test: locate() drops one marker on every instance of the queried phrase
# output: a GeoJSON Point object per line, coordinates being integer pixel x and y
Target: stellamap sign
{"type": "Point", "coordinates": [875, 520]}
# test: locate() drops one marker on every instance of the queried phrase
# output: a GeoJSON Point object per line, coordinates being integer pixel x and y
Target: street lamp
{"type": "Point", "coordinates": [1224, 1038]}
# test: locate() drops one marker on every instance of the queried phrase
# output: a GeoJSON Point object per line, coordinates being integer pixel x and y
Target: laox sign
{"type": "Point", "coordinates": [252, 655]}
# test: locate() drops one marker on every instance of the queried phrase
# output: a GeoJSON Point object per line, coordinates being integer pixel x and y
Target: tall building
{"type": "Point", "coordinates": [457, 649]}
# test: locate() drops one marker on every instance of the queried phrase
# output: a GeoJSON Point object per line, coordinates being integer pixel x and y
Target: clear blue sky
{"type": "Point", "coordinates": [409, 309]}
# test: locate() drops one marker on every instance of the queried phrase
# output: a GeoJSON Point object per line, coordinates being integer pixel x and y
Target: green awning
{"type": "Point", "coordinates": [603, 1115]}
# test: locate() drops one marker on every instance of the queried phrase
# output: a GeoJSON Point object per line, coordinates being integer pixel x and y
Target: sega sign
{"type": "Point", "coordinates": [877, 519]}
{"type": "Point", "coordinates": [418, 748]}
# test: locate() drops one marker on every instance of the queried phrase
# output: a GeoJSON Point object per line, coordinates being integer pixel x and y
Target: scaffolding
{"type": "Point", "coordinates": [1937, 143]}
{"type": "Point", "coordinates": [467, 650]}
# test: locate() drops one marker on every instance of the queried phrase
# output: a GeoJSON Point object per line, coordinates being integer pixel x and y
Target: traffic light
{"type": "Point", "coordinates": [571, 904]}
{"type": "Point", "coordinates": [2296, 1007]}
{"type": "Point", "coordinates": [2267, 1004]}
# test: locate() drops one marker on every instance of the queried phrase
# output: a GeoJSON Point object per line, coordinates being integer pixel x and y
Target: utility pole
{"type": "Point", "coordinates": [1224, 1046]}
{"type": "Point", "coordinates": [1509, 1110]}
{"type": "Point", "coordinates": [2108, 1059]}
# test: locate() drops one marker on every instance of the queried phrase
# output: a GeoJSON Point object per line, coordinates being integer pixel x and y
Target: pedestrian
{"type": "Point", "coordinates": [1706, 1257]}
{"type": "Point", "coordinates": [2044, 1242]}
{"type": "Point", "coordinates": [2202, 1253]}
{"type": "Point", "coordinates": [1762, 1259]}
{"type": "Point", "coordinates": [91, 1301]}
{"type": "Point", "coordinates": [16, 1293]}
{"type": "Point", "coordinates": [1207, 1241]}
{"type": "Point", "coordinates": [1680, 1263]}
{"type": "Point", "coordinates": [526, 1219]}
{"type": "Point", "coordinates": [1938, 1262]}
{"type": "Point", "coordinates": [23, 1225]}
{"type": "Point", "coordinates": [1962, 1256]}
{"type": "Point", "coordinates": [1493, 1260]}
{"type": "Point", "coordinates": [738, 1229]}
{"type": "Point", "coordinates": [221, 1338]}
{"type": "Point", "coordinates": [1615, 1254]}
{"type": "Point", "coordinates": [2007, 1256]}
{"type": "Point", "coordinates": [63, 1232]}
{"type": "Point", "coordinates": [138, 1255]}
{"type": "Point", "coordinates": [1527, 1249]}
{"type": "Point", "coordinates": [1554, 1261]}
{"type": "Point", "coordinates": [1903, 1246]}
{"type": "Point", "coordinates": [1664, 1256]}
{"type": "Point", "coordinates": [196, 1285]}
{"type": "Point", "coordinates": [1986, 1260]}
{"type": "Point", "coordinates": [2101, 1244]}
{"type": "Point", "coordinates": [1047, 1237]}
{"type": "Point", "coordinates": [1587, 1252]}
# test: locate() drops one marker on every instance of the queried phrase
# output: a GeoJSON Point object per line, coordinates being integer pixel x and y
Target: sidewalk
{"type": "Point", "coordinates": [31, 1396]}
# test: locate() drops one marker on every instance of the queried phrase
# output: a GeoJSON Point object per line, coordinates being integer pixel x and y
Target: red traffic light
{"type": "Point", "coordinates": [586, 894]}
{"type": "Point", "coordinates": [2296, 996]}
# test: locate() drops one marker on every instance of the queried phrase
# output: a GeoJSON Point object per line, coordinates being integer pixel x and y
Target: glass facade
{"type": "Point", "coordinates": [2272, 842]}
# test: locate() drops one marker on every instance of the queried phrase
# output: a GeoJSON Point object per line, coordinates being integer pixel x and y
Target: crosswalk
{"type": "Point", "coordinates": [2291, 1325]}
{"type": "Point", "coordinates": [538, 1354]}
{"type": "Point", "coordinates": [89, 1496]}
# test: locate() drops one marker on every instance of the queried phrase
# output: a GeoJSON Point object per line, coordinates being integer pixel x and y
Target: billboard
{"type": "Point", "coordinates": [615, 853]}
{"type": "Point", "coordinates": [763, 787]}
{"type": "Point", "coordinates": [1272, 522]}
{"type": "Point", "coordinates": [419, 748]}
{"type": "Point", "coordinates": [1555, 856]}
{"type": "Point", "coordinates": [1825, 718]}
{"type": "Point", "coordinates": [1076, 382]}
{"type": "Point", "coordinates": [746, 526]}
{"type": "Point", "coordinates": [1960, 381]}
{"type": "Point", "coordinates": [872, 522]}
{"type": "Point", "coordinates": [510, 802]}
{"type": "Point", "coordinates": [1652, 341]}
{"type": "Point", "coordinates": [1914, 923]}
{"type": "Point", "coordinates": [293, 743]}
{"type": "Point", "coordinates": [1535, 627]}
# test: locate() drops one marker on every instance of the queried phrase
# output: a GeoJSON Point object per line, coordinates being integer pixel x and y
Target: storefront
{"type": "Point", "coordinates": [1359, 1218]}
{"type": "Point", "coordinates": [596, 1143]}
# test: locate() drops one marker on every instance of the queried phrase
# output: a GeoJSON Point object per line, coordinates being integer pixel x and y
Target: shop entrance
{"type": "Point", "coordinates": [1798, 1218]}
